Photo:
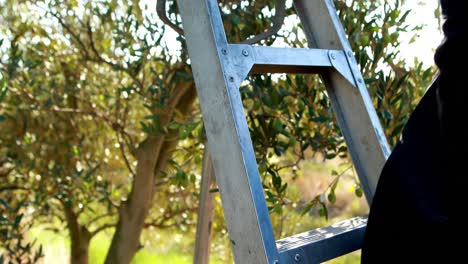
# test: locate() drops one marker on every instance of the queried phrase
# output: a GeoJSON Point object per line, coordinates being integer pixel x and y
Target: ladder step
{"type": "Point", "coordinates": [323, 244]}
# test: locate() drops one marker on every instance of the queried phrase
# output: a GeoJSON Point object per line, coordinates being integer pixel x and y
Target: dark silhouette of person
{"type": "Point", "coordinates": [408, 218]}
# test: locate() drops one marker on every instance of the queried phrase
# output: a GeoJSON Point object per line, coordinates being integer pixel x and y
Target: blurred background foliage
{"type": "Point", "coordinates": [101, 138]}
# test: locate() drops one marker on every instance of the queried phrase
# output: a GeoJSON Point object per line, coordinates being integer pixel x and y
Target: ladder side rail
{"type": "Point", "coordinates": [351, 102]}
{"type": "Point", "coordinates": [205, 212]}
{"type": "Point", "coordinates": [231, 148]}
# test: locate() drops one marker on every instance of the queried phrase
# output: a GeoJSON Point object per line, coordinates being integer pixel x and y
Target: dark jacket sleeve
{"type": "Point", "coordinates": [408, 219]}
{"type": "Point", "coordinates": [451, 59]}
{"type": "Point", "coordinates": [455, 33]}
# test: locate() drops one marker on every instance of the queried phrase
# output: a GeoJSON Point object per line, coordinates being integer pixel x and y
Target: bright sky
{"type": "Point", "coordinates": [422, 48]}
{"type": "Point", "coordinates": [422, 13]}
{"type": "Point", "coordinates": [429, 38]}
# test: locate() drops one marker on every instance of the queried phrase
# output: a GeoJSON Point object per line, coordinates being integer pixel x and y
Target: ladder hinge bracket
{"type": "Point", "coordinates": [341, 64]}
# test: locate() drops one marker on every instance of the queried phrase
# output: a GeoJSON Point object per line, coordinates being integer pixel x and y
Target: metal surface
{"type": "Point", "coordinates": [341, 65]}
{"type": "Point", "coordinates": [260, 59]}
{"type": "Point", "coordinates": [234, 161]}
{"type": "Point", "coordinates": [353, 107]}
{"type": "Point", "coordinates": [218, 70]}
{"type": "Point", "coordinates": [205, 211]}
{"type": "Point", "coordinates": [323, 244]}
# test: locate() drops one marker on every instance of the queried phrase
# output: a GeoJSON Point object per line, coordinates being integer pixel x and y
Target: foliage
{"type": "Point", "coordinates": [91, 91]}
{"type": "Point", "coordinates": [294, 115]}
{"type": "Point", "coordinates": [13, 227]}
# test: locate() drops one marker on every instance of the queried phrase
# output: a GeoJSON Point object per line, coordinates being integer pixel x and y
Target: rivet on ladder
{"type": "Point", "coordinates": [332, 55]}
{"type": "Point", "coordinates": [297, 257]}
{"type": "Point", "coordinates": [224, 51]}
{"type": "Point", "coordinates": [276, 262]}
{"type": "Point", "coordinates": [245, 53]}
{"type": "Point", "coordinates": [350, 54]}
{"type": "Point", "coordinates": [231, 79]}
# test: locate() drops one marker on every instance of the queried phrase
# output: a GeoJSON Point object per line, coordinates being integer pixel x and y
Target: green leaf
{"type": "Point", "coordinates": [5, 204]}
{"type": "Point", "coordinates": [323, 211]}
{"type": "Point", "coordinates": [358, 190]}
{"type": "Point", "coordinates": [181, 178]}
{"type": "Point", "coordinates": [19, 205]}
{"type": "Point", "coordinates": [332, 197]}
{"type": "Point", "coordinates": [76, 150]}
{"type": "Point", "coordinates": [272, 199]}
{"type": "Point", "coordinates": [283, 188]}
{"type": "Point", "coordinates": [235, 20]}
{"type": "Point", "coordinates": [183, 134]}
{"type": "Point", "coordinates": [278, 208]}
{"type": "Point", "coordinates": [214, 190]}
{"type": "Point", "coordinates": [388, 115]}
{"type": "Point", "coordinates": [173, 125]}
{"type": "Point", "coordinates": [277, 125]}
{"type": "Point", "coordinates": [3, 90]}
{"type": "Point", "coordinates": [17, 221]}
{"type": "Point", "coordinates": [152, 117]}
{"type": "Point", "coordinates": [308, 207]}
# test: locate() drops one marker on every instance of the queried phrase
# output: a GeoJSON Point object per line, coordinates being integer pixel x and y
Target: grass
{"type": "Point", "coordinates": [57, 250]}
{"type": "Point", "coordinates": [175, 246]}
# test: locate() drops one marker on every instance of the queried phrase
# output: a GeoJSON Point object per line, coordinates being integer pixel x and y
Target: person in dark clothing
{"type": "Point", "coordinates": [408, 219]}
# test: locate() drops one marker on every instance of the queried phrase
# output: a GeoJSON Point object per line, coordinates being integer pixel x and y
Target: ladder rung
{"type": "Point", "coordinates": [323, 244]}
{"type": "Point", "coordinates": [265, 59]}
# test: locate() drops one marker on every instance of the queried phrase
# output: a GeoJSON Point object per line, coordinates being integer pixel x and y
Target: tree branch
{"type": "Point", "coordinates": [71, 32]}
{"type": "Point", "coordinates": [161, 11]}
{"type": "Point", "coordinates": [96, 53]}
{"type": "Point", "coordinates": [124, 156]}
{"type": "Point", "coordinates": [99, 58]}
{"type": "Point", "coordinates": [278, 19]}
{"type": "Point", "coordinates": [101, 228]}
{"type": "Point", "coordinates": [97, 218]}
{"type": "Point", "coordinates": [13, 188]}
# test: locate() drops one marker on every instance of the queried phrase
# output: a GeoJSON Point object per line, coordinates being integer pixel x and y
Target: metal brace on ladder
{"type": "Point", "coordinates": [219, 68]}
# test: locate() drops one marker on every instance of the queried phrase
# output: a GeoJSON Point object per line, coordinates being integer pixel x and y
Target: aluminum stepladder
{"type": "Point", "coordinates": [219, 68]}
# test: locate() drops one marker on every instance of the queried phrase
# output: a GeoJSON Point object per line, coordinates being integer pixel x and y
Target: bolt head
{"type": "Point", "coordinates": [276, 262]}
{"type": "Point", "coordinates": [231, 79]}
{"type": "Point", "coordinates": [224, 51]}
{"type": "Point", "coordinates": [245, 53]}
{"type": "Point", "coordinates": [359, 80]}
{"type": "Point", "coordinates": [297, 257]}
{"type": "Point", "coordinates": [333, 55]}
{"type": "Point", "coordinates": [350, 54]}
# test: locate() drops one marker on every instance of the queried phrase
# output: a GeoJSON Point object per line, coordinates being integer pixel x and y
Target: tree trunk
{"type": "Point", "coordinates": [80, 238]}
{"type": "Point", "coordinates": [132, 213]}
{"type": "Point", "coordinates": [153, 155]}
{"type": "Point", "coordinates": [79, 250]}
